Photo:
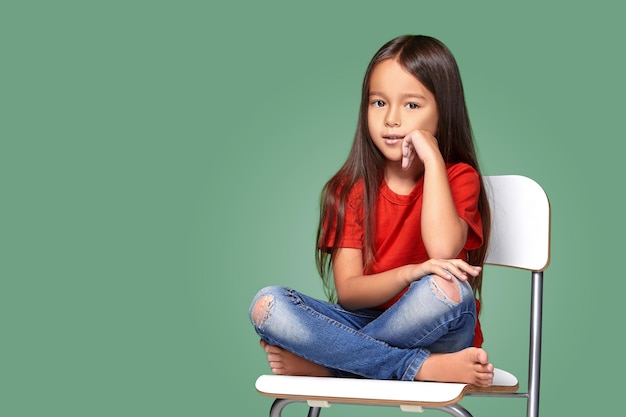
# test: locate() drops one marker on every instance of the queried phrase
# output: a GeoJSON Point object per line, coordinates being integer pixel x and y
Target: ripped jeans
{"type": "Point", "coordinates": [369, 343]}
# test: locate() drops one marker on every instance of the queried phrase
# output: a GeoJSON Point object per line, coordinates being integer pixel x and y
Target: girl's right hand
{"type": "Point", "coordinates": [420, 143]}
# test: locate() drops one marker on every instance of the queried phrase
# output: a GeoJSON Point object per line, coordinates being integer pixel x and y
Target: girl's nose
{"type": "Point", "coordinates": [392, 119]}
{"type": "Point", "coordinates": [392, 123]}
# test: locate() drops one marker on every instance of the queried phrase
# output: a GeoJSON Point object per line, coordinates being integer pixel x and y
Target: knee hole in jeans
{"type": "Point", "coordinates": [443, 295]}
{"type": "Point", "coordinates": [262, 309]}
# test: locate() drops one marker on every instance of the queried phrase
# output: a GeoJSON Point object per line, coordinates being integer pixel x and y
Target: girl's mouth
{"type": "Point", "coordinates": [393, 139]}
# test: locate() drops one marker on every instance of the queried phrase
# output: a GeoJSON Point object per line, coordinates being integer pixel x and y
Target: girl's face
{"type": "Point", "coordinates": [398, 105]}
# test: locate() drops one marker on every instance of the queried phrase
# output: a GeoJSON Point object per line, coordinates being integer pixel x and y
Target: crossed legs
{"type": "Point", "coordinates": [468, 365]}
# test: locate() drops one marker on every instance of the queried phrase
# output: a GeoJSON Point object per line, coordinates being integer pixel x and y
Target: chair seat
{"type": "Point", "coordinates": [371, 391]}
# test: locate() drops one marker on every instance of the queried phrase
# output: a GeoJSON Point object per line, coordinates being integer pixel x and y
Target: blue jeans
{"type": "Point", "coordinates": [369, 343]}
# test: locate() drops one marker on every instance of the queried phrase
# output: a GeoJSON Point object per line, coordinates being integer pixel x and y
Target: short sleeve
{"type": "Point", "coordinates": [465, 187]}
{"type": "Point", "coordinates": [352, 236]}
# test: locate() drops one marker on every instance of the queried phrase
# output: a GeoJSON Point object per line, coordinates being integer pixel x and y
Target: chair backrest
{"type": "Point", "coordinates": [520, 225]}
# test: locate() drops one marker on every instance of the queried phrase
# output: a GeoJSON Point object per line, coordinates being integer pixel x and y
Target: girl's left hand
{"type": "Point", "coordinates": [464, 270]}
{"type": "Point", "coordinates": [451, 268]}
{"type": "Point", "coordinates": [421, 143]}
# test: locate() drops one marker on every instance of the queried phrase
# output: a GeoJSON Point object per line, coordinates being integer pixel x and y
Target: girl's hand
{"type": "Point", "coordinates": [448, 269]}
{"type": "Point", "coordinates": [420, 143]}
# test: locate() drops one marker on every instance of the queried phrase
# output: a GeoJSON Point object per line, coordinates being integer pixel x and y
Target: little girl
{"type": "Point", "coordinates": [403, 231]}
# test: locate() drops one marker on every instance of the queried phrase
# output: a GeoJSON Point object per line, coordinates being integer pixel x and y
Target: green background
{"type": "Point", "coordinates": [161, 161]}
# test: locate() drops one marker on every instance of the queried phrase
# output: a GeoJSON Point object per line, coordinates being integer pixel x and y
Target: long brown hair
{"type": "Point", "coordinates": [432, 63]}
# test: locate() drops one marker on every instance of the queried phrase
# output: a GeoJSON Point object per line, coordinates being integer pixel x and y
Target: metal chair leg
{"type": "Point", "coordinates": [314, 411]}
{"type": "Point", "coordinates": [278, 405]}
{"type": "Point", "coordinates": [534, 366]}
{"type": "Point", "coordinates": [455, 410]}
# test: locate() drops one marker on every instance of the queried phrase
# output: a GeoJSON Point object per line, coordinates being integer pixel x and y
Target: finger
{"type": "Point", "coordinates": [447, 274]}
{"type": "Point", "coordinates": [469, 269]}
{"type": "Point", "coordinates": [453, 271]}
{"type": "Point", "coordinates": [406, 153]}
{"type": "Point", "coordinates": [407, 159]}
{"type": "Point", "coordinates": [458, 273]}
{"type": "Point", "coordinates": [406, 162]}
{"type": "Point", "coordinates": [465, 267]}
{"type": "Point", "coordinates": [406, 146]}
{"type": "Point", "coordinates": [464, 273]}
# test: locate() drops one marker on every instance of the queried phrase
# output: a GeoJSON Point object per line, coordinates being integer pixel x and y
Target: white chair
{"type": "Point", "coordinates": [520, 238]}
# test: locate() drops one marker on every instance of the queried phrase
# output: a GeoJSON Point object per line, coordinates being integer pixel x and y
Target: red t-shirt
{"type": "Point", "coordinates": [398, 224]}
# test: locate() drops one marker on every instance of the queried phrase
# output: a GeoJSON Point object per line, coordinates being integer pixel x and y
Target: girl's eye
{"type": "Point", "coordinates": [378, 103]}
{"type": "Point", "coordinates": [413, 106]}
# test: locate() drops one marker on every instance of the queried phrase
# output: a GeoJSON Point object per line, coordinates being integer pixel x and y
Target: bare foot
{"type": "Point", "coordinates": [283, 362]}
{"type": "Point", "coordinates": [469, 366]}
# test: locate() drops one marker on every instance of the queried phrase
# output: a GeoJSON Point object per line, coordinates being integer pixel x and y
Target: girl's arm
{"type": "Point", "coordinates": [444, 233]}
{"type": "Point", "coordinates": [355, 290]}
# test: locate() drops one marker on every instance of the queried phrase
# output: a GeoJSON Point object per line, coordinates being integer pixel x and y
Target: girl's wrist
{"type": "Point", "coordinates": [412, 274]}
{"type": "Point", "coordinates": [433, 161]}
